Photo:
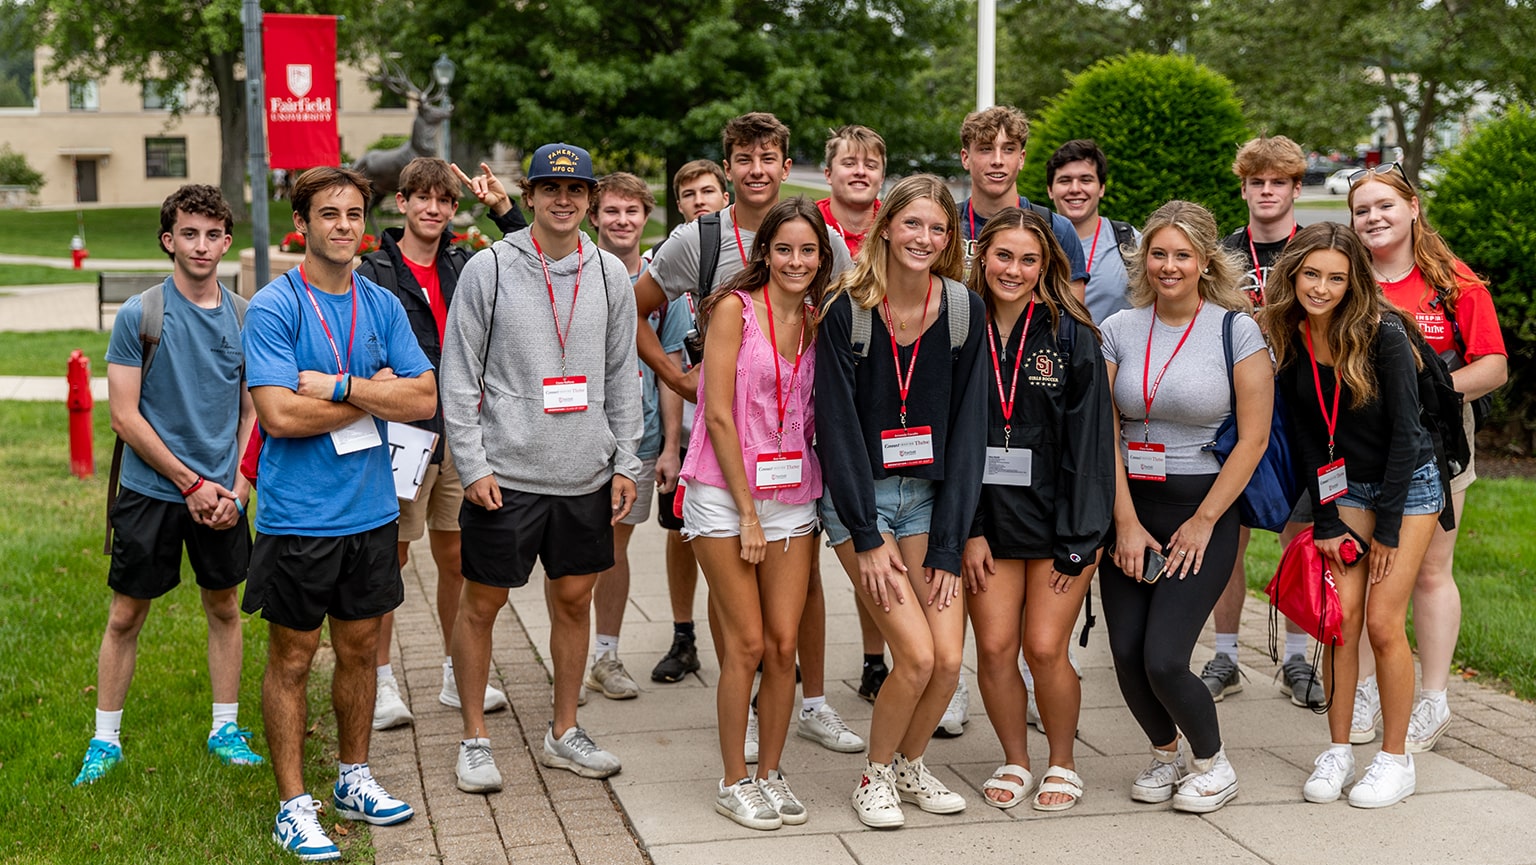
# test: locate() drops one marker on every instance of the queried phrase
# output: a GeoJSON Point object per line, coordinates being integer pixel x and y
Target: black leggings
{"type": "Point", "coordinates": [1152, 629]}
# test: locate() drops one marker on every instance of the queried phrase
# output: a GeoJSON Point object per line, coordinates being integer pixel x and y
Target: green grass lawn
{"type": "Point", "coordinates": [126, 232]}
{"type": "Point", "coordinates": [168, 801]}
{"type": "Point", "coordinates": [46, 352]}
{"type": "Point", "coordinates": [42, 274]}
{"type": "Point", "coordinates": [1496, 572]}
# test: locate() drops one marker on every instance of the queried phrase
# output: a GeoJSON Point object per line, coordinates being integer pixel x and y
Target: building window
{"type": "Point", "coordinates": [162, 95]}
{"type": "Point", "coordinates": [83, 96]}
{"type": "Point", "coordinates": [165, 157]}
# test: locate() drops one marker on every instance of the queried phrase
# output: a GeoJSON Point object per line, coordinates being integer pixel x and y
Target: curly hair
{"type": "Point", "coordinates": [1270, 154]}
{"type": "Point", "coordinates": [981, 127]}
{"type": "Point", "coordinates": [194, 198]}
{"type": "Point", "coordinates": [756, 127]}
{"type": "Point", "coordinates": [1220, 270]}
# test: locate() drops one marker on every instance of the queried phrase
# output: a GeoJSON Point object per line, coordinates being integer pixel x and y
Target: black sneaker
{"type": "Point", "coordinates": [874, 677]}
{"type": "Point", "coordinates": [680, 660]}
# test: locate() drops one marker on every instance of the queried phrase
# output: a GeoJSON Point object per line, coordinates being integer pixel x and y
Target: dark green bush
{"type": "Point", "coordinates": [1169, 126]}
{"type": "Point", "coordinates": [1483, 206]}
{"type": "Point", "coordinates": [16, 171]}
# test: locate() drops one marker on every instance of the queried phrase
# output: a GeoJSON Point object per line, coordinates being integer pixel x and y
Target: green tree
{"type": "Point", "coordinates": [16, 171]}
{"type": "Point", "coordinates": [1482, 207]}
{"type": "Point", "coordinates": [1168, 126]}
{"type": "Point", "coordinates": [196, 41]}
{"type": "Point", "coordinates": [625, 77]}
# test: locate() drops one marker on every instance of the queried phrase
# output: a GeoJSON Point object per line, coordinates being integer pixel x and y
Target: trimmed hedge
{"type": "Point", "coordinates": [1169, 127]}
{"type": "Point", "coordinates": [1483, 207]}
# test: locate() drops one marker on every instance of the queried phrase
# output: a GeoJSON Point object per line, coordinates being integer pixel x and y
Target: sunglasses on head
{"type": "Point", "coordinates": [1357, 176]}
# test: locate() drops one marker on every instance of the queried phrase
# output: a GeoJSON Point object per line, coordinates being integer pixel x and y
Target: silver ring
{"type": "Point", "coordinates": [1182, 553]}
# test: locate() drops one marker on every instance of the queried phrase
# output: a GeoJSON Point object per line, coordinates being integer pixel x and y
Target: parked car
{"type": "Point", "coordinates": [1338, 182]}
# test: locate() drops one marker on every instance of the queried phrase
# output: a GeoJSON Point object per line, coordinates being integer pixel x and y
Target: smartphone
{"type": "Point", "coordinates": [1153, 565]}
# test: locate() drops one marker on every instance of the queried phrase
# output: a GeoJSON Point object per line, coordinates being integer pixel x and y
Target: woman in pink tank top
{"type": "Point", "coordinates": [753, 482]}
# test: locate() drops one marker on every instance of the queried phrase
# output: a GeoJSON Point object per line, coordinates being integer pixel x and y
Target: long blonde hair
{"type": "Point", "coordinates": [865, 281]}
{"type": "Point", "coordinates": [1220, 273]}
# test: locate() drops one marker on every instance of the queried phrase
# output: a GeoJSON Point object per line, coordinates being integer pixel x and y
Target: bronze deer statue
{"type": "Point", "coordinates": [383, 167]}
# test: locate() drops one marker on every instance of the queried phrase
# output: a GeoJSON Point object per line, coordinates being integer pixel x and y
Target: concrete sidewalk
{"type": "Point", "coordinates": [1474, 801]}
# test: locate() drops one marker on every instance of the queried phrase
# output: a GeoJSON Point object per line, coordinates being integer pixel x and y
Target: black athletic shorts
{"type": "Point", "coordinates": [298, 580]}
{"type": "Point", "coordinates": [148, 535]}
{"type": "Point", "coordinates": [570, 535]}
{"type": "Point", "coordinates": [665, 503]}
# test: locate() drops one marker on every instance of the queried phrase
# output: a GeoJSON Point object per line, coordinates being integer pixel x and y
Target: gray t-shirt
{"type": "Point", "coordinates": [1193, 398]}
{"type": "Point", "coordinates": [675, 266]}
{"type": "Point", "coordinates": [1107, 277]}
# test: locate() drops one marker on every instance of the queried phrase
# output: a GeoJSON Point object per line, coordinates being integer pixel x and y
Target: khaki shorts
{"type": "Point", "coordinates": [645, 489]}
{"type": "Point", "coordinates": [1460, 483]}
{"type": "Point", "coordinates": [437, 507]}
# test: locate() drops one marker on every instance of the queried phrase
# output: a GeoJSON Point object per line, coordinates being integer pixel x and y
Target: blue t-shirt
{"type": "Point", "coordinates": [650, 399]}
{"type": "Point", "coordinates": [306, 487]}
{"type": "Point", "coordinates": [972, 222]}
{"type": "Point", "coordinates": [191, 395]}
{"type": "Point", "coordinates": [677, 320]}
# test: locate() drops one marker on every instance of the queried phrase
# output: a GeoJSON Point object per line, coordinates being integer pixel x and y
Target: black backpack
{"type": "Point", "coordinates": [1440, 412]}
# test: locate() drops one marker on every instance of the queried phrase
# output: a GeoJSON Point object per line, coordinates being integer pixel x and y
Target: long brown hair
{"type": "Point", "coordinates": [1352, 329]}
{"type": "Point", "coordinates": [1054, 287]}
{"type": "Point", "coordinates": [756, 274]}
{"type": "Point", "coordinates": [1221, 272]}
{"type": "Point", "coordinates": [1435, 260]}
{"type": "Point", "coordinates": [865, 281]}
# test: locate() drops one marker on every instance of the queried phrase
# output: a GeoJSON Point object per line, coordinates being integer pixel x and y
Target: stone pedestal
{"type": "Point", "coordinates": [279, 262]}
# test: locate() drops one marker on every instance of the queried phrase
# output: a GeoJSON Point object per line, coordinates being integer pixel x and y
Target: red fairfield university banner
{"type": "Point", "coordinates": [299, 59]}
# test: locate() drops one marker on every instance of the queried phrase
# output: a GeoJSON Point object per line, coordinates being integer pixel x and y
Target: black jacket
{"type": "Point", "coordinates": [386, 266]}
{"type": "Point", "coordinates": [1063, 413]}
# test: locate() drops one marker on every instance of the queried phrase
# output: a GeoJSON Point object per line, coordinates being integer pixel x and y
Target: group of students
{"type": "Point", "coordinates": [971, 411]}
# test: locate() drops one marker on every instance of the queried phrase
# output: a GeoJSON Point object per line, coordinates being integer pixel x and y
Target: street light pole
{"type": "Point", "coordinates": [986, 54]}
{"type": "Point", "coordinates": [256, 139]}
{"type": "Point", "coordinates": [443, 71]}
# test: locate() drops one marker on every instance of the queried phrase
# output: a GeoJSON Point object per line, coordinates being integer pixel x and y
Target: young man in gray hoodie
{"type": "Point", "coordinates": [542, 409]}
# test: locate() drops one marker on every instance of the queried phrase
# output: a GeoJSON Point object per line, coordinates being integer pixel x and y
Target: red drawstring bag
{"type": "Point", "coordinates": [1303, 590]}
{"type": "Point", "coordinates": [252, 456]}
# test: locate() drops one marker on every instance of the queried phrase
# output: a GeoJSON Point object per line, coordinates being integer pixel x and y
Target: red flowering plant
{"type": "Point", "coordinates": [292, 242]}
{"type": "Point", "coordinates": [370, 244]}
{"type": "Point", "coordinates": [472, 239]}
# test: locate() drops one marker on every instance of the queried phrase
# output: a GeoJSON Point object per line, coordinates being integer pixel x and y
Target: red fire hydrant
{"type": "Point", "coordinates": [77, 251]}
{"type": "Point", "coordinates": [82, 457]}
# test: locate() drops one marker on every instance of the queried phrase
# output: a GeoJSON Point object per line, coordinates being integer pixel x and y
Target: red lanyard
{"type": "Point", "coordinates": [1330, 421]}
{"type": "Point", "coordinates": [1095, 248]}
{"type": "Point", "coordinates": [970, 213]}
{"type": "Point", "coordinates": [739, 248]}
{"type": "Point", "coordinates": [1258, 272]}
{"type": "Point", "coordinates": [904, 385]}
{"type": "Point", "coordinates": [997, 372]}
{"type": "Point", "coordinates": [550, 284]}
{"type": "Point", "coordinates": [340, 368]}
{"type": "Point", "coordinates": [779, 396]}
{"type": "Point", "coordinates": [1149, 395]}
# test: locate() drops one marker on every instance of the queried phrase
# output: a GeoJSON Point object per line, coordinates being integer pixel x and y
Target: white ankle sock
{"type": "Point", "coordinates": [811, 704]}
{"type": "Point", "coordinates": [607, 644]}
{"type": "Point", "coordinates": [302, 799]}
{"type": "Point", "coordinates": [1437, 696]}
{"type": "Point", "coordinates": [224, 713]}
{"type": "Point", "coordinates": [1336, 748]}
{"type": "Point", "coordinates": [384, 671]}
{"type": "Point", "coordinates": [1402, 759]}
{"type": "Point", "coordinates": [353, 771]}
{"type": "Point", "coordinates": [109, 726]}
{"type": "Point", "coordinates": [1368, 682]}
{"type": "Point", "coordinates": [1227, 643]}
{"type": "Point", "coordinates": [1296, 644]}
{"type": "Point", "coordinates": [480, 741]}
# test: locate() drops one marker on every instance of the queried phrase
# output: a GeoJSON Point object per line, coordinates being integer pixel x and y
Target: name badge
{"type": "Point", "coordinates": [565, 393]}
{"type": "Point", "coordinates": [779, 471]}
{"type": "Point", "coordinates": [907, 447]}
{"type": "Point", "coordinates": [1331, 482]}
{"type": "Point", "coordinates": [358, 435]}
{"type": "Point", "coordinates": [1146, 461]}
{"type": "Point", "coordinates": [1012, 467]}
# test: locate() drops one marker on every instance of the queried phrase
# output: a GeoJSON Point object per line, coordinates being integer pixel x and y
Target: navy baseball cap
{"type": "Point", "coordinates": [562, 161]}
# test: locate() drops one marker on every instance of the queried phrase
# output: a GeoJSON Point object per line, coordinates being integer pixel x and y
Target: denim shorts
{"type": "Point", "coordinates": [1424, 494]}
{"type": "Point", "coordinates": [903, 508]}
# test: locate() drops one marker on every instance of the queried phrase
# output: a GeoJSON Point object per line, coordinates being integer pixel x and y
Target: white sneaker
{"type": "Point", "coordinates": [1334, 771]}
{"type": "Point", "coordinates": [915, 784]}
{"type": "Point", "coordinates": [826, 728]}
{"type": "Point", "coordinates": [1367, 714]}
{"type": "Point", "coordinates": [477, 772]}
{"type": "Point", "coordinates": [1430, 719]}
{"type": "Point", "coordinates": [749, 746]}
{"type": "Point", "coordinates": [495, 700]}
{"type": "Point", "coordinates": [776, 790]}
{"type": "Point", "coordinates": [1212, 784]}
{"type": "Point", "coordinates": [1157, 782]}
{"type": "Point", "coordinates": [577, 752]}
{"type": "Point", "coordinates": [1386, 782]}
{"type": "Point", "coordinates": [388, 709]}
{"type": "Point", "coordinates": [875, 799]}
{"type": "Point", "coordinates": [957, 714]}
{"type": "Point", "coordinates": [744, 803]}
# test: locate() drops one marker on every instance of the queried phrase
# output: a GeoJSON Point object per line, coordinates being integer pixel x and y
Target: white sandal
{"type": "Point", "coordinates": [1071, 784]}
{"type": "Point", "coordinates": [998, 781]}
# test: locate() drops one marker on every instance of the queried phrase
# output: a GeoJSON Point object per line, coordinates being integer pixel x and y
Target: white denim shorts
{"type": "Point", "coordinates": [710, 512]}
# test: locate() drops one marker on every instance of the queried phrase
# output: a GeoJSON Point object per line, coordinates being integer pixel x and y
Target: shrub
{"type": "Point", "coordinates": [1169, 127]}
{"type": "Point", "coordinates": [16, 171]}
{"type": "Point", "coordinates": [1482, 206]}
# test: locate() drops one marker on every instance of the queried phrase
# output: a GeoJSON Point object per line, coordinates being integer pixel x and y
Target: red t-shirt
{"type": "Point", "coordinates": [854, 241]}
{"type": "Point", "coordinates": [1474, 313]}
{"type": "Point", "coordinates": [426, 277]}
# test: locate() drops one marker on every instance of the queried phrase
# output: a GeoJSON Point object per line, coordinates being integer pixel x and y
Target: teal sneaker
{"type": "Point", "coordinates": [232, 746]}
{"type": "Point", "coordinates": [100, 757]}
{"type": "Point", "coordinates": [298, 831]}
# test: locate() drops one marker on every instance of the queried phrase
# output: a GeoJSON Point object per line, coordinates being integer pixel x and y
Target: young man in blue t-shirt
{"type": "Point", "coordinates": [330, 357]}
{"type": "Point", "coordinates": [183, 423]}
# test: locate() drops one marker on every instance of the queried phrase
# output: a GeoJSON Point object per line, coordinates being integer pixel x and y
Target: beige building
{"type": "Point", "coordinates": [115, 142]}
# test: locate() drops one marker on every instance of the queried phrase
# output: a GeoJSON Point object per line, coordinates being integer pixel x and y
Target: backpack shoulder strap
{"type": "Point", "coordinates": [1045, 212]}
{"type": "Point", "coordinates": [709, 253]}
{"type": "Point", "coordinates": [1226, 349]}
{"type": "Point", "coordinates": [1066, 336]}
{"type": "Point", "coordinates": [860, 328]}
{"type": "Point", "coordinates": [151, 324]}
{"type": "Point", "coordinates": [239, 303]}
{"type": "Point", "coordinates": [959, 313]}
{"type": "Point", "coordinates": [1125, 235]}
